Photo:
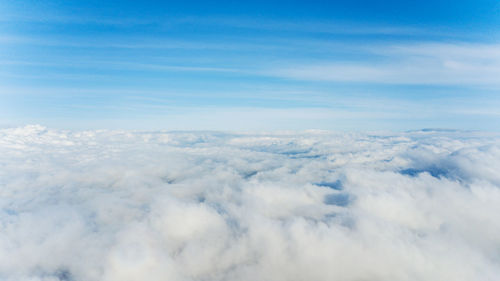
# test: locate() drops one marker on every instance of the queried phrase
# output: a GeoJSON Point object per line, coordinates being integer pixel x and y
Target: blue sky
{"type": "Point", "coordinates": [339, 65]}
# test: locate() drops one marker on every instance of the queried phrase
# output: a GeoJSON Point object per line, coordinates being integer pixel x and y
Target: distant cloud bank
{"type": "Point", "coordinates": [313, 205]}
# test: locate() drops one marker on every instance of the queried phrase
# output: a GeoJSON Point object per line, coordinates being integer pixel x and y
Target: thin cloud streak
{"type": "Point", "coordinates": [387, 63]}
{"type": "Point", "coordinates": [306, 26]}
{"type": "Point", "coordinates": [434, 64]}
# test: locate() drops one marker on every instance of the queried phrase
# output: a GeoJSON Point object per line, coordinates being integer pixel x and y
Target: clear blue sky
{"type": "Point", "coordinates": [255, 65]}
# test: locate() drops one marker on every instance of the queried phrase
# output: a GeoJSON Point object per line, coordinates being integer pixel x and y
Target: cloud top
{"type": "Point", "coordinates": [314, 205]}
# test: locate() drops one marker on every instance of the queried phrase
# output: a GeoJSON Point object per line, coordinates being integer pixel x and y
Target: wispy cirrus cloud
{"type": "Point", "coordinates": [420, 63]}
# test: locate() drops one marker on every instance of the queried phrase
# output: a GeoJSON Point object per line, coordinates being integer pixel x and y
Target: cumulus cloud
{"type": "Point", "coordinates": [314, 205]}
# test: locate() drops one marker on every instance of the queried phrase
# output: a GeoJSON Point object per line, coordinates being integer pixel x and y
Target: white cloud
{"type": "Point", "coordinates": [314, 205]}
{"type": "Point", "coordinates": [433, 64]}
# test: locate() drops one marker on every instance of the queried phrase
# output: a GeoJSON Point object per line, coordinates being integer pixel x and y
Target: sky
{"type": "Point", "coordinates": [255, 65]}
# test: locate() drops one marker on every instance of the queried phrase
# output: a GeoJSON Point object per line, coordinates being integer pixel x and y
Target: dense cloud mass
{"type": "Point", "coordinates": [315, 205]}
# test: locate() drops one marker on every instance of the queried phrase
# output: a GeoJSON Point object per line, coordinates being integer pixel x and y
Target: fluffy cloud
{"type": "Point", "coordinates": [119, 205]}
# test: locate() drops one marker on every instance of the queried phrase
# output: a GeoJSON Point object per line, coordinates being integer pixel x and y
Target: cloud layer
{"type": "Point", "coordinates": [315, 205]}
